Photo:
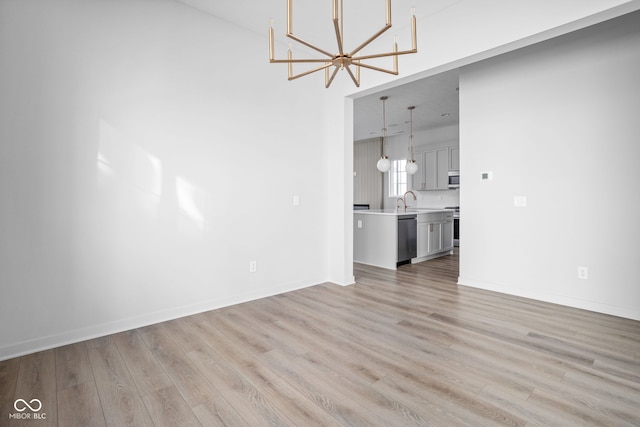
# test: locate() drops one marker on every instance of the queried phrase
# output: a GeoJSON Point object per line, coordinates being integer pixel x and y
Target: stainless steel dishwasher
{"type": "Point", "coordinates": [407, 238]}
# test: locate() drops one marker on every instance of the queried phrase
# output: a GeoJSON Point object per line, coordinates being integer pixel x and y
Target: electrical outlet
{"type": "Point", "coordinates": [520, 201]}
{"type": "Point", "coordinates": [359, 223]}
{"type": "Point", "coordinates": [583, 273]}
{"type": "Point", "coordinates": [296, 200]}
{"type": "Point", "coordinates": [253, 266]}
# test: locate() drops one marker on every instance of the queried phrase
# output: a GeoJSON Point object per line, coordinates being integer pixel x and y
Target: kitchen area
{"type": "Point", "coordinates": [408, 209]}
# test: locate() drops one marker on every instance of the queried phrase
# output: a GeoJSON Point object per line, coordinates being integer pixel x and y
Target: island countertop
{"type": "Point", "coordinates": [396, 212]}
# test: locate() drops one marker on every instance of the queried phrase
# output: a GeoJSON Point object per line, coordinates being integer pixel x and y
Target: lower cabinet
{"type": "Point", "coordinates": [447, 235]}
{"type": "Point", "coordinates": [423, 238]}
{"type": "Point", "coordinates": [435, 234]}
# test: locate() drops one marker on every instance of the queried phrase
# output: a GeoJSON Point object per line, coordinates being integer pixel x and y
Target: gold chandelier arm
{"type": "Point", "coordinates": [296, 38]}
{"type": "Point", "coordinates": [371, 67]}
{"type": "Point", "coordinates": [272, 50]}
{"type": "Point", "coordinates": [370, 39]}
{"type": "Point", "coordinates": [309, 45]}
{"type": "Point", "coordinates": [337, 24]}
{"type": "Point", "coordinates": [328, 80]}
{"type": "Point", "coordinates": [295, 61]}
{"type": "Point", "coordinates": [376, 35]}
{"type": "Point", "coordinates": [306, 73]}
{"type": "Point", "coordinates": [382, 55]}
{"type": "Point", "coordinates": [356, 80]}
{"type": "Point", "coordinates": [414, 41]}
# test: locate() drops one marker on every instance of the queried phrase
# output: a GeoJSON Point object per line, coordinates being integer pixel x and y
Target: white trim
{"type": "Point", "coordinates": [553, 298]}
{"type": "Point", "coordinates": [77, 335]}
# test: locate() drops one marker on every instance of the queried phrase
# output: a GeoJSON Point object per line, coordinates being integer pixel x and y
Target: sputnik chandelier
{"type": "Point", "coordinates": [342, 60]}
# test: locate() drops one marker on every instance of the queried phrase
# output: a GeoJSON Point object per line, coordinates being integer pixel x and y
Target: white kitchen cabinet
{"type": "Point", "coordinates": [435, 235]}
{"type": "Point", "coordinates": [433, 170]}
{"type": "Point", "coordinates": [447, 234]}
{"type": "Point", "coordinates": [423, 239]}
{"type": "Point", "coordinates": [454, 159]}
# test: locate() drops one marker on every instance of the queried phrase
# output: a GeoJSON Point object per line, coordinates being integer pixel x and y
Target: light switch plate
{"type": "Point", "coordinates": [520, 201]}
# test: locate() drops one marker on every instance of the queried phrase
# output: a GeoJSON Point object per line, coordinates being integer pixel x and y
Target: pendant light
{"type": "Point", "coordinates": [412, 166]}
{"type": "Point", "coordinates": [383, 164]}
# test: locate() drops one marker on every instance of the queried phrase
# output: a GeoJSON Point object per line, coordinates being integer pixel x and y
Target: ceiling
{"type": "Point", "coordinates": [435, 97]}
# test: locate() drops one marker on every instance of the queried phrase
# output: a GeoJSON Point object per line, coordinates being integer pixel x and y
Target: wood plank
{"type": "Point", "coordinates": [195, 389]}
{"type": "Point", "coordinates": [8, 380]}
{"type": "Point", "coordinates": [79, 406]}
{"type": "Point", "coordinates": [141, 364]}
{"type": "Point", "coordinates": [238, 391]}
{"type": "Point", "coordinates": [121, 402]}
{"type": "Point", "coordinates": [72, 366]}
{"type": "Point", "coordinates": [218, 412]}
{"type": "Point", "coordinates": [276, 398]}
{"type": "Point", "coordinates": [293, 406]}
{"type": "Point", "coordinates": [37, 380]}
{"type": "Point", "coordinates": [327, 396]}
{"type": "Point", "coordinates": [168, 408]}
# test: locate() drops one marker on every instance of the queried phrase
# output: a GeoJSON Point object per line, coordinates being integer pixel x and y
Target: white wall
{"type": "Point", "coordinates": [558, 123]}
{"type": "Point", "coordinates": [143, 164]}
{"type": "Point", "coordinates": [450, 37]}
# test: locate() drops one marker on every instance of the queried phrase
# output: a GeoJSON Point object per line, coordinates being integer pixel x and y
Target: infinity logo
{"type": "Point", "coordinates": [26, 405]}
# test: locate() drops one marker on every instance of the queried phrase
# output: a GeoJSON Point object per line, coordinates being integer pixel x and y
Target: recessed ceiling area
{"type": "Point", "coordinates": [435, 98]}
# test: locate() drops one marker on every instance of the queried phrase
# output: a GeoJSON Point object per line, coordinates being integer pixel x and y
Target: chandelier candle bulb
{"type": "Point", "coordinates": [395, 58]}
{"type": "Point", "coordinates": [271, 50]}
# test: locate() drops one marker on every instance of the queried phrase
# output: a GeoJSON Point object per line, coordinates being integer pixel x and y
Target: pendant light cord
{"type": "Point", "coordinates": [384, 122]}
{"type": "Point", "coordinates": [411, 133]}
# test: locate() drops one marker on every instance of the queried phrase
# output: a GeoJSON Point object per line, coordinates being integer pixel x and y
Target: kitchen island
{"type": "Point", "coordinates": [377, 241]}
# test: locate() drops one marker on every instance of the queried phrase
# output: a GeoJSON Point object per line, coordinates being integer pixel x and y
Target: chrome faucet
{"type": "Point", "coordinates": [404, 198]}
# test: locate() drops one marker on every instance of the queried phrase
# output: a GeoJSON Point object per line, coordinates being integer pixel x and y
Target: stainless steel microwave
{"type": "Point", "coordinates": [454, 179]}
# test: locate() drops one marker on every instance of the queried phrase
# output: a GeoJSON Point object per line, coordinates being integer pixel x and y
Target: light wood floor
{"type": "Point", "coordinates": [398, 348]}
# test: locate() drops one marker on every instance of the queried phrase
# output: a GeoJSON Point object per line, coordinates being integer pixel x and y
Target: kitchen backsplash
{"type": "Point", "coordinates": [428, 199]}
{"type": "Point", "coordinates": [436, 199]}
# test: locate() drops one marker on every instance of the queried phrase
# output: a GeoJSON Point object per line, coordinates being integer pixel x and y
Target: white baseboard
{"type": "Point", "coordinates": [350, 281]}
{"type": "Point", "coordinates": [626, 312]}
{"type": "Point", "coordinates": [82, 334]}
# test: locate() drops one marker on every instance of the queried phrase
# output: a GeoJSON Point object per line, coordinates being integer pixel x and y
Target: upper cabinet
{"type": "Point", "coordinates": [434, 167]}
{"type": "Point", "coordinates": [454, 158]}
